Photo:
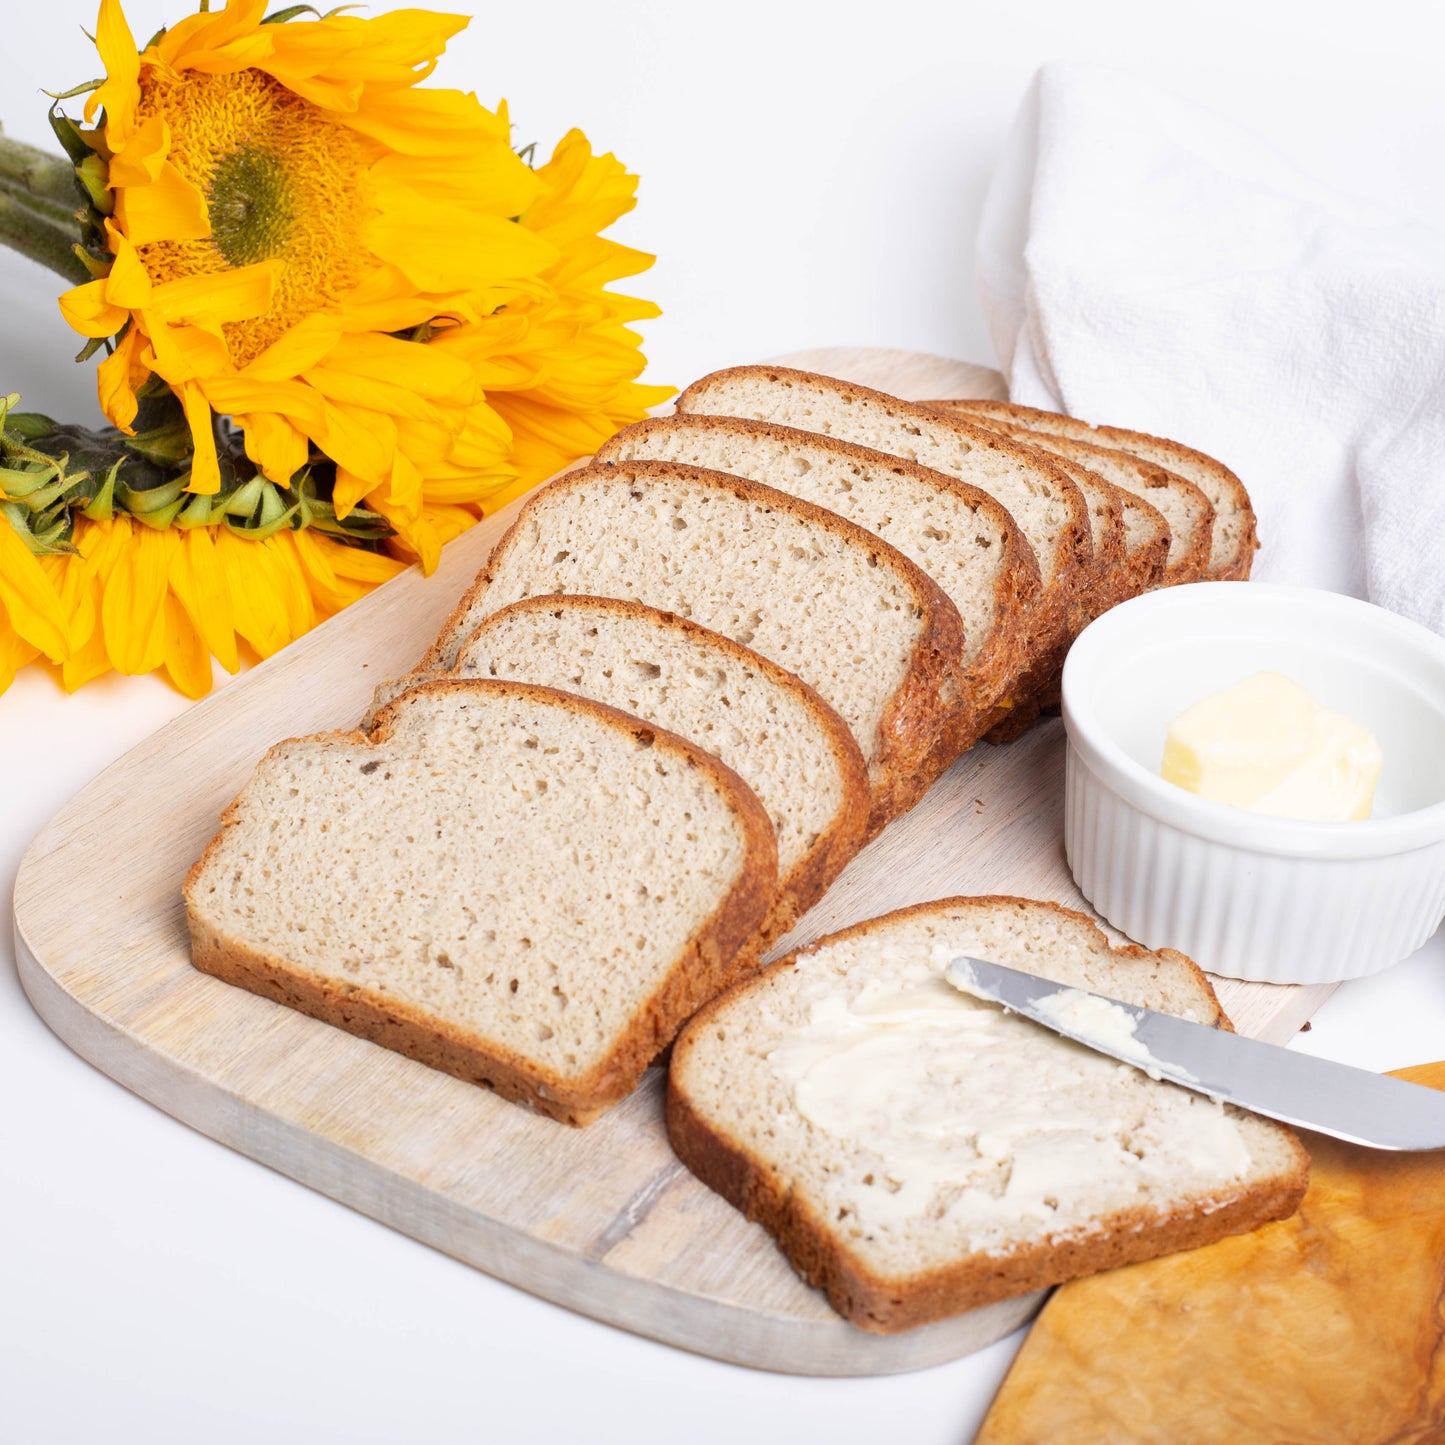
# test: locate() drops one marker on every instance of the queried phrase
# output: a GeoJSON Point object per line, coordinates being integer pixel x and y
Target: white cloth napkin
{"type": "Point", "coordinates": [1145, 263]}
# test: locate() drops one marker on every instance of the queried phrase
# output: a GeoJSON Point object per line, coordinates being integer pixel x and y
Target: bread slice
{"type": "Point", "coordinates": [771, 729]}
{"type": "Point", "coordinates": [1235, 538]}
{"type": "Point", "coordinates": [1046, 504]}
{"type": "Point", "coordinates": [850, 615]}
{"type": "Point", "coordinates": [1186, 506]}
{"type": "Point", "coordinates": [918, 1153]}
{"type": "Point", "coordinates": [526, 889]}
{"type": "Point", "coordinates": [962, 537]}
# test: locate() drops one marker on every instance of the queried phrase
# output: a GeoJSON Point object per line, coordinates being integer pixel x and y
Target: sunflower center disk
{"type": "Point", "coordinates": [250, 205]}
{"type": "Point", "coordinates": [282, 181]}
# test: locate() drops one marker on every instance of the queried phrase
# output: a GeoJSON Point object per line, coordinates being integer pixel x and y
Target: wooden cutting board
{"type": "Point", "coordinates": [602, 1220]}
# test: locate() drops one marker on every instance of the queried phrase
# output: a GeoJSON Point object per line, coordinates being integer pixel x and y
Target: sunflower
{"type": "Point", "coordinates": [328, 271]}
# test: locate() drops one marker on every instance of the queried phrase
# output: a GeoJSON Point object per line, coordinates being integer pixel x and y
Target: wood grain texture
{"type": "Point", "coordinates": [602, 1220]}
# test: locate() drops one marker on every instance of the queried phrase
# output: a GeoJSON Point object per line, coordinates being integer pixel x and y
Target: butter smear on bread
{"type": "Point", "coordinates": [1265, 745]}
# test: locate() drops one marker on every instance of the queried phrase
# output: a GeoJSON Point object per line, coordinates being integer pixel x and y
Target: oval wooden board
{"type": "Point", "coordinates": [603, 1220]}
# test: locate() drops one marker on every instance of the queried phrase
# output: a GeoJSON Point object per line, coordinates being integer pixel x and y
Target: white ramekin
{"type": "Point", "coordinates": [1248, 896]}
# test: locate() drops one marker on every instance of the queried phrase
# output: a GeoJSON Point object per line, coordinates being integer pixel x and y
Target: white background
{"type": "Point", "coordinates": [811, 176]}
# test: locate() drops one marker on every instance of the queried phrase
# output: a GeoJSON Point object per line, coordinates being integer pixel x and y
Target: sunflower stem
{"type": "Point", "coordinates": [35, 235]}
{"type": "Point", "coordinates": [49, 210]}
{"type": "Point", "coordinates": [38, 199]}
{"type": "Point", "coordinates": [40, 174]}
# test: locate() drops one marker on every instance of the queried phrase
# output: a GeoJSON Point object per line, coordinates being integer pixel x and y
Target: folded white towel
{"type": "Point", "coordinates": [1145, 263]}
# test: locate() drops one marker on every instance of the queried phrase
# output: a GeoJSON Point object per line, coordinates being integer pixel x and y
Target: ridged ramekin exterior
{"type": "Point", "coordinates": [1241, 913]}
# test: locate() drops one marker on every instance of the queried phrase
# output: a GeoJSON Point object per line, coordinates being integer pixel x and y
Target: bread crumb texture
{"type": "Point", "coordinates": [801, 593]}
{"type": "Point", "coordinates": [523, 868]}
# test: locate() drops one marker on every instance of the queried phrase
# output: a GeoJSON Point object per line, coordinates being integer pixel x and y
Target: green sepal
{"type": "Point", "coordinates": [45, 538]}
{"type": "Point", "coordinates": [140, 501]}
{"type": "Point", "coordinates": [168, 445]}
{"type": "Point", "coordinates": [27, 425]}
{"type": "Point", "coordinates": [94, 176]}
{"type": "Point", "coordinates": [101, 507]}
{"type": "Point", "coordinates": [51, 471]}
{"type": "Point", "coordinates": [84, 88]}
{"type": "Point", "coordinates": [96, 265]}
{"type": "Point", "coordinates": [73, 140]}
{"type": "Point", "coordinates": [197, 512]}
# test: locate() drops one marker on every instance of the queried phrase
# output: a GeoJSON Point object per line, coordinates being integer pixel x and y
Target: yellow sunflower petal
{"type": "Point", "coordinates": [216, 297]}
{"type": "Point", "coordinates": [399, 47]}
{"type": "Point", "coordinates": [132, 609]}
{"type": "Point", "coordinates": [179, 353]}
{"type": "Point", "coordinates": [277, 446]}
{"type": "Point", "coordinates": [361, 442]}
{"type": "Point", "coordinates": [300, 348]}
{"type": "Point", "coordinates": [117, 379]}
{"type": "Point", "coordinates": [336, 573]}
{"type": "Point", "coordinates": [15, 652]}
{"type": "Point", "coordinates": [99, 548]}
{"type": "Point", "coordinates": [129, 284]}
{"type": "Point", "coordinates": [205, 465]}
{"type": "Point", "coordinates": [202, 39]}
{"type": "Point", "coordinates": [171, 208]}
{"type": "Point", "coordinates": [261, 616]}
{"type": "Point", "coordinates": [200, 586]}
{"type": "Point", "coordinates": [120, 92]}
{"type": "Point", "coordinates": [187, 661]}
{"type": "Point", "coordinates": [29, 598]}
{"type": "Point", "coordinates": [427, 122]}
{"type": "Point", "coordinates": [89, 310]}
{"type": "Point", "coordinates": [138, 162]}
{"type": "Point", "coordinates": [348, 491]}
{"type": "Point", "coordinates": [235, 395]}
{"type": "Point", "coordinates": [269, 595]}
{"type": "Point", "coordinates": [441, 246]}
{"type": "Point", "coordinates": [492, 178]}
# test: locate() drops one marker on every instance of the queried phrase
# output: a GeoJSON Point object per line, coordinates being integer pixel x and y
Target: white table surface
{"type": "Point", "coordinates": [807, 182]}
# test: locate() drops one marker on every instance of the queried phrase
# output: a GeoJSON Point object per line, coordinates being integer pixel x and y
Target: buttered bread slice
{"type": "Point", "coordinates": [961, 536]}
{"type": "Point", "coordinates": [850, 615]}
{"type": "Point", "coordinates": [518, 886]}
{"type": "Point", "coordinates": [770, 728]}
{"type": "Point", "coordinates": [918, 1152]}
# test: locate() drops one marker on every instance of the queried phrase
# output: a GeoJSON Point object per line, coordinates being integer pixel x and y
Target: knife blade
{"type": "Point", "coordinates": [1336, 1099]}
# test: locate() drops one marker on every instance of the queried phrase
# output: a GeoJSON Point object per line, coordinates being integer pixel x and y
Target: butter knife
{"type": "Point", "coordinates": [1336, 1099]}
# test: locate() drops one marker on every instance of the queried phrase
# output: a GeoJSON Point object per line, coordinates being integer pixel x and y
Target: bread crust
{"type": "Point", "coordinates": [1073, 550]}
{"type": "Point", "coordinates": [1223, 566]}
{"type": "Point", "coordinates": [808, 880]}
{"type": "Point", "coordinates": [1017, 587]}
{"type": "Point", "coordinates": [696, 976]}
{"type": "Point", "coordinates": [888, 1305]}
{"type": "Point", "coordinates": [915, 743]}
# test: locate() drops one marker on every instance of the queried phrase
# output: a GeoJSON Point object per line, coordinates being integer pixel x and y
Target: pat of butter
{"type": "Point", "coordinates": [1266, 746]}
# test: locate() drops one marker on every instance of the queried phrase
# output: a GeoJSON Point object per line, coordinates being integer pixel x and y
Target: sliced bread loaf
{"type": "Point", "coordinates": [1131, 546]}
{"type": "Point", "coordinates": [850, 615]}
{"type": "Point", "coordinates": [1046, 505]}
{"type": "Point", "coordinates": [961, 536]}
{"type": "Point", "coordinates": [520, 887]}
{"type": "Point", "coordinates": [1185, 506]}
{"type": "Point", "coordinates": [770, 728]}
{"type": "Point", "coordinates": [1235, 538]}
{"type": "Point", "coordinates": [917, 1152]}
